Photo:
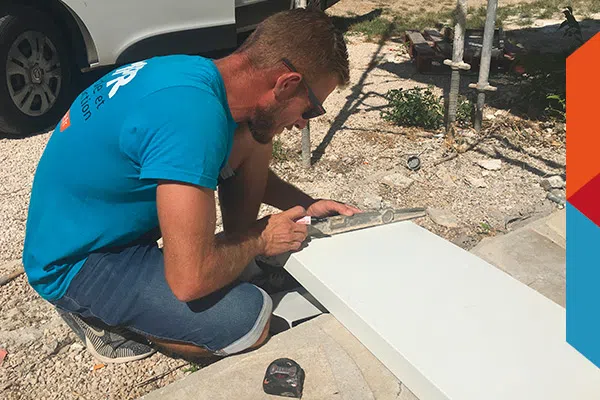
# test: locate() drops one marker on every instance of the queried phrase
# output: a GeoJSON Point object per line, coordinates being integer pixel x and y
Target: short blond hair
{"type": "Point", "coordinates": [306, 37]}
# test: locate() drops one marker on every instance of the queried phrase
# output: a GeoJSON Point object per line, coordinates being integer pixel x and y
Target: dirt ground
{"type": "Point", "coordinates": [357, 158]}
{"type": "Point", "coordinates": [345, 7]}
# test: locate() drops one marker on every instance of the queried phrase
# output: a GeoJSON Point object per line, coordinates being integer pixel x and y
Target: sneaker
{"type": "Point", "coordinates": [110, 347]}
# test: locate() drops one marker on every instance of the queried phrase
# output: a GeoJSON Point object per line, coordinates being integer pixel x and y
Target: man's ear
{"type": "Point", "coordinates": [287, 85]}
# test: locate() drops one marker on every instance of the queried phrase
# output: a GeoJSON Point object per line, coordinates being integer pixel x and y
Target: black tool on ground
{"type": "Point", "coordinates": [413, 163]}
{"type": "Point", "coordinates": [284, 377]}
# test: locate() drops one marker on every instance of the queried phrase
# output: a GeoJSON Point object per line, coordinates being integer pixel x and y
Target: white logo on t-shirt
{"type": "Point", "coordinates": [127, 74]}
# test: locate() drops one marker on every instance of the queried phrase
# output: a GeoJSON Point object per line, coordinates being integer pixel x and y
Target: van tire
{"type": "Point", "coordinates": [36, 72]}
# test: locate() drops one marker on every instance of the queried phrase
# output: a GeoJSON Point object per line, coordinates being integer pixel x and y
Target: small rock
{"type": "Point", "coordinates": [558, 198]}
{"type": "Point", "coordinates": [556, 195]}
{"type": "Point", "coordinates": [398, 181]}
{"type": "Point", "coordinates": [484, 173]}
{"type": "Point", "coordinates": [492, 165]}
{"type": "Point", "coordinates": [52, 347]}
{"type": "Point", "coordinates": [476, 182]}
{"type": "Point", "coordinates": [443, 217]}
{"type": "Point", "coordinates": [553, 182]}
{"type": "Point", "coordinates": [76, 347]}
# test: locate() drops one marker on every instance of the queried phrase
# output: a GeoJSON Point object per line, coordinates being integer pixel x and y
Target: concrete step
{"type": "Point", "coordinates": [337, 366]}
{"type": "Point", "coordinates": [533, 254]}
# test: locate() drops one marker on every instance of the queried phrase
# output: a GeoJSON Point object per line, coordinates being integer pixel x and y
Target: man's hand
{"type": "Point", "coordinates": [326, 208]}
{"type": "Point", "coordinates": [280, 233]}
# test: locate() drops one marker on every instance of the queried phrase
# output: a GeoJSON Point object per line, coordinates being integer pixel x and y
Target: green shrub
{"type": "Point", "coordinates": [557, 106]}
{"type": "Point", "coordinates": [193, 367]}
{"type": "Point", "coordinates": [464, 111]}
{"type": "Point", "coordinates": [414, 107]}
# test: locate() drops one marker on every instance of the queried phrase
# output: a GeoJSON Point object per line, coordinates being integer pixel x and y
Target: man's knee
{"type": "Point", "coordinates": [232, 323]}
{"type": "Point", "coordinates": [250, 318]}
{"type": "Point", "coordinates": [195, 353]}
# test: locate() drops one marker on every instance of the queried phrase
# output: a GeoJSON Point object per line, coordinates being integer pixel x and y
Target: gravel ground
{"type": "Point", "coordinates": [362, 7]}
{"type": "Point", "coordinates": [358, 158]}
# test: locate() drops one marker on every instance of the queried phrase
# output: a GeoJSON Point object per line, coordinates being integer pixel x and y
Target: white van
{"type": "Point", "coordinates": [45, 44]}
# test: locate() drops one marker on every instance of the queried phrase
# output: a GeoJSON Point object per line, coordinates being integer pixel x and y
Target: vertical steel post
{"type": "Point", "coordinates": [306, 130]}
{"type": "Point", "coordinates": [457, 64]}
{"type": "Point", "coordinates": [306, 146]}
{"type": "Point", "coordinates": [484, 66]}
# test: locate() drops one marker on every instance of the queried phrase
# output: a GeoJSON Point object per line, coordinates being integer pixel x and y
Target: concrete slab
{"type": "Point", "coordinates": [337, 366]}
{"type": "Point", "coordinates": [448, 324]}
{"type": "Point", "coordinates": [533, 254]}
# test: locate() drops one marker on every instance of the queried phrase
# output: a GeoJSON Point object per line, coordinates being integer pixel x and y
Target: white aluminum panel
{"type": "Point", "coordinates": [446, 323]}
{"type": "Point", "coordinates": [117, 24]}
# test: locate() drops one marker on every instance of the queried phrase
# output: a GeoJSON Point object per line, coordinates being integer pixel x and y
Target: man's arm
{"type": "Point", "coordinates": [197, 262]}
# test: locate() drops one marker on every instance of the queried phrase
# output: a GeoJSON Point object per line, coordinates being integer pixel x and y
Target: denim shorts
{"type": "Point", "coordinates": [127, 288]}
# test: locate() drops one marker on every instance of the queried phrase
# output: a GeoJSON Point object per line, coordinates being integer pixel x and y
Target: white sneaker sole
{"type": "Point", "coordinates": [119, 360]}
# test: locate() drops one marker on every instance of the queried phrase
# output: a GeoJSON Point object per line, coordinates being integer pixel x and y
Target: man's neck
{"type": "Point", "coordinates": [242, 85]}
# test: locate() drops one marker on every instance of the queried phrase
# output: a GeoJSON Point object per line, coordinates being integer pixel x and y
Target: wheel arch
{"type": "Point", "coordinates": [79, 38]}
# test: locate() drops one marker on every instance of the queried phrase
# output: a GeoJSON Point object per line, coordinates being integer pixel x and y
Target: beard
{"type": "Point", "coordinates": [262, 126]}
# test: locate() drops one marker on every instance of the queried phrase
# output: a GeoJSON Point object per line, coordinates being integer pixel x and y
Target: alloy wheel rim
{"type": "Point", "coordinates": [33, 73]}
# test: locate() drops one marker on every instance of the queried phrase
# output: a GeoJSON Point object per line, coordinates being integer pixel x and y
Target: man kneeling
{"type": "Point", "coordinates": [145, 161]}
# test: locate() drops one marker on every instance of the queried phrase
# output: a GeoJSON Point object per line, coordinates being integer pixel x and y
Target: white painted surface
{"type": "Point", "coordinates": [117, 24]}
{"type": "Point", "coordinates": [446, 323]}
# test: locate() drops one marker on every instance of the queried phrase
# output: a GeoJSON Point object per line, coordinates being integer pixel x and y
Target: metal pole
{"type": "Point", "coordinates": [306, 130]}
{"type": "Point", "coordinates": [306, 146]}
{"type": "Point", "coordinates": [484, 67]}
{"type": "Point", "coordinates": [457, 64]}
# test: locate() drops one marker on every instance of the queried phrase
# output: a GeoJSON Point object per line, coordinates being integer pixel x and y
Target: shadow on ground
{"type": "Point", "coordinates": [515, 94]}
{"type": "Point", "coordinates": [357, 95]}
{"type": "Point", "coordinates": [344, 23]}
{"type": "Point", "coordinates": [542, 51]}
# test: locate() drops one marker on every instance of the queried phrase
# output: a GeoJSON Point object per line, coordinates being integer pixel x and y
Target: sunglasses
{"type": "Point", "coordinates": [317, 108]}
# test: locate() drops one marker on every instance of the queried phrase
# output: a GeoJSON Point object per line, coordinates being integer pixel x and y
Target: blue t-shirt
{"type": "Point", "coordinates": [95, 184]}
